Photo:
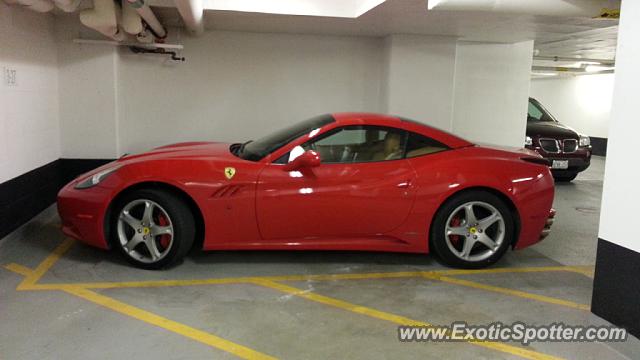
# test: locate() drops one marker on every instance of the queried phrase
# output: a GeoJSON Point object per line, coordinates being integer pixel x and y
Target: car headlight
{"type": "Point", "coordinates": [96, 178]}
{"type": "Point", "coordinates": [528, 141]}
{"type": "Point", "coordinates": [585, 141]}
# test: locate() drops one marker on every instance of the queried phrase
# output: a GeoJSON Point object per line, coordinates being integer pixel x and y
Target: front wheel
{"type": "Point", "coordinates": [152, 228]}
{"type": "Point", "coordinates": [472, 230]}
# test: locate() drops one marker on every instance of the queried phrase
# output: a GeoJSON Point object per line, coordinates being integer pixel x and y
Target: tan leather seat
{"type": "Point", "coordinates": [392, 148]}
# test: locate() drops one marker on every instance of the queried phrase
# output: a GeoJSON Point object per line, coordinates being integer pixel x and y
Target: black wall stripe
{"type": "Point", "coordinates": [616, 286]}
{"type": "Point", "coordinates": [599, 145]}
{"type": "Point", "coordinates": [27, 195]}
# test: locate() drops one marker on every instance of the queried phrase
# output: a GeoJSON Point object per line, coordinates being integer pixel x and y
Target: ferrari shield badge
{"type": "Point", "coordinates": [229, 172]}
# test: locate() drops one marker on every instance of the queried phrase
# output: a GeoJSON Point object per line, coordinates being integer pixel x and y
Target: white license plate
{"type": "Point", "coordinates": [560, 164]}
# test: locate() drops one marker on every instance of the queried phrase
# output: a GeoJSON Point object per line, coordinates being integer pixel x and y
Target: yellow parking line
{"type": "Point", "coordinates": [45, 265]}
{"type": "Point", "coordinates": [321, 277]}
{"type": "Point", "coordinates": [82, 290]}
{"type": "Point", "coordinates": [173, 326]}
{"type": "Point", "coordinates": [20, 269]}
{"type": "Point", "coordinates": [587, 271]}
{"type": "Point", "coordinates": [397, 319]}
{"type": "Point", "coordinates": [507, 291]}
{"type": "Point", "coordinates": [232, 280]}
{"type": "Point", "coordinates": [501, 270]}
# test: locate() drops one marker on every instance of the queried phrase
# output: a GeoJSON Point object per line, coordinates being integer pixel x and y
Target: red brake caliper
{"type": "Point", "coordinates": [164, 239]}
{"type": "Point", "coordinates": [454, 223]}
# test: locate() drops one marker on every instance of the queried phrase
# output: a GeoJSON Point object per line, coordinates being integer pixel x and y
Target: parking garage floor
{"type": "Point", "coordinates": [61, 299]}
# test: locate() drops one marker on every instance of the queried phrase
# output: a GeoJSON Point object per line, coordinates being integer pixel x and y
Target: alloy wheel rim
{"type": "Point", "coordinates": [474, 231]}
{"type": "Point", "coordinates": [145, 231]}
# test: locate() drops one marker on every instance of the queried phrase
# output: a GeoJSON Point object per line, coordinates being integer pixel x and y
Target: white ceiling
{"type": "Point", "coordinates": [333, 8]}
{"type": "Point", "coordinates": [553, 35]}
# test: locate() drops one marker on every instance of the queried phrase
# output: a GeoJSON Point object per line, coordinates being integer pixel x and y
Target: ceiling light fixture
{"type": "Point", "coordinates": [597, 68]}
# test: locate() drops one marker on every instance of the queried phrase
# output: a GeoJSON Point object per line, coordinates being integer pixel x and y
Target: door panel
{"type": "Point", "coordinates": [334, 200]}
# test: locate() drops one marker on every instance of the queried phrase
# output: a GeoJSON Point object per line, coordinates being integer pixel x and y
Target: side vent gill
{"type": "Point", "coordinates": [227, 191]}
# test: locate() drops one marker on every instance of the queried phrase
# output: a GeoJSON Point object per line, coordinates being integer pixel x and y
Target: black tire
{"type": "Point", "coordinates": [565, 178]}
{"type": "Point", "coordinates": [438, 241]}
{"type": "Point", "coordinates": [180, 218]}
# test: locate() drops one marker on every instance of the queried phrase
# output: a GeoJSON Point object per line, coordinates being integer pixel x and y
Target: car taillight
{"type": "Point", "coordinates": [536, 160]}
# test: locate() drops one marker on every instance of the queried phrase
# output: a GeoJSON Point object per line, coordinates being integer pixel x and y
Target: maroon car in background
{"type": "Point", "coordinates": [567, 151]}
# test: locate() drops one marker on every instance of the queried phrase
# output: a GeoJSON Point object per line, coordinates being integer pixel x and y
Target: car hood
{"type": "Point", "coordinates": [203, 149]}
{"type": "Point", "coordinates": [550, 129]}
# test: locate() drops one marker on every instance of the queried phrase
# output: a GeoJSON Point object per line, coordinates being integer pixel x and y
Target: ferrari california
{"type": "Point", "coordinates": [348, 181]}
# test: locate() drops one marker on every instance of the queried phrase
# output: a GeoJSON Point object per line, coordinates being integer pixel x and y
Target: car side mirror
{"type": "Point", "coordinates": [308, 159]}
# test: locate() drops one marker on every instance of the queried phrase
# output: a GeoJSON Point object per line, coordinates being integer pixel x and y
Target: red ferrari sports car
{"type": "Point", "coordinates": [347, 181]}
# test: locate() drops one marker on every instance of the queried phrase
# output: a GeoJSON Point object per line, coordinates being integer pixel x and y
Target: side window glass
{"type": "Point", "coordinates": [533, 112]}
{"type": "Point", "coordinates": [353, 144]}
{"type": "Point", "coordinates": [419, 145]}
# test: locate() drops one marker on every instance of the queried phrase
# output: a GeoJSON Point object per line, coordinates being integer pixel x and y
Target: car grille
{"type": "Point", "coordinates": [550, 145]}
{"type": "Point", "coordinates": [554, 146]}
{"type": "Point", "coordinates": [569, 145]}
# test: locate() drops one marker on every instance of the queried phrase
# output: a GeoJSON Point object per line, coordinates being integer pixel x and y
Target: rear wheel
{"type": "Point", "coordinates": [472, 230]}
{"type": "Point", "coordinates": [152, 228]}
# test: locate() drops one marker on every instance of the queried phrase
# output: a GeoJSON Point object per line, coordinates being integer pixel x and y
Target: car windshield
{"type": "Point", "coordinates": [258, 149]}
{"type": "Point", "coordinates": [537, 112]}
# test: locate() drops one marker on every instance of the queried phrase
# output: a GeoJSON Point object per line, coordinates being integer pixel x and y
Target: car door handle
{"type": "Point", "coordinates": [405, 184]}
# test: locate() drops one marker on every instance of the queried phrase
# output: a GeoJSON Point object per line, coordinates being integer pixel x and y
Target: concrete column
{"type": "Point", "coordinates": [492, 91]}
{"type": "Point", "coordinates": [476, 90]}
{"type": "Point", "coordinates": [616, 288]}
{"type": "Point", "coordinates": [418, 79]}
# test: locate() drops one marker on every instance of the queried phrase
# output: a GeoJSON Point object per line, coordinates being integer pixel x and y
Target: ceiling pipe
{"type": "Point", "coordinates": [41, 6]}
{"type": "Point", "coordinates": [582, 8]}
{"type": "Point", "coordinates": [103, 18]}
{"type": "Point", "coordinates": [68, 6]}
{"type": "Point", "coordinates": [574, 59]}
{"type": "Point", "coordinates": [131, 20]}
{"type": "Point", "coordinates": [132, 24]}
{"type": "Point", "coordinates": [570, 70]}
{"type": "Point", "coordinates": [192, 12]}
{"type": "Point", "coordinates": [149, 17]}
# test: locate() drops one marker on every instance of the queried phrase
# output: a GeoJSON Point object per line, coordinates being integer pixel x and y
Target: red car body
{"type": "Point", "coordinates": [375, 206]}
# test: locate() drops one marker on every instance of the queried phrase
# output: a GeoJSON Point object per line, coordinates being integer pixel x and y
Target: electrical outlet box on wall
{"type": "Point", "coordinates": [10, 76]}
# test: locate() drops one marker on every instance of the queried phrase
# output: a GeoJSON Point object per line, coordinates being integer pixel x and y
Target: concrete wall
{"type": "Point", "coordinates": [238, 86]}
{"type": "Point", "coordinates": [418, 82]}
{"type": "Point", "coordinates": [582, 102]}
{"type": "Point", "coordinates": [491, 92]}
{"type": "Point", "coordinates": [88, 98]}
{"type": "Point", "coordinates": [29, 128]}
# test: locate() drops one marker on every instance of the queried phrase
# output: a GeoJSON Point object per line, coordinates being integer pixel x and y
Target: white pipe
{"type": "Point", "coordinates": [67, 5]}
{"type": "Point", "coordinates": [574, 59]}
{"type": "Point", "coordinates": [116, 43]}
{"type": "Point", "coordinates": [149, 17]}
{"type": "Point", "coordinates": [131, 20]}
{"type": "Point", "coordinates": [35, 5]}
{"type": "Point", "coordinates": [192, 14]}
{"type": "Point", "coordinates": [582, 8]}
{"type": "Point", "coordinates": [42, 6]}
{"type": "Point", "coordinates": [572, 70]}
{"type": "Point", "coordinates": [103, 18]}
